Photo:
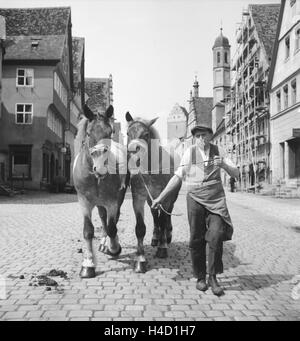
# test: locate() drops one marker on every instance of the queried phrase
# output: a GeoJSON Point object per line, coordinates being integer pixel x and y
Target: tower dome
{"type": "Point", "coordinates": [221, 41]}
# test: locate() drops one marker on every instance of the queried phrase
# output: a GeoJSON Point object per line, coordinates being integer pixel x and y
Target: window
{"type": "Point", "coordinates": [218, 57]}
{"type": "Point", "coordinates": [24, 113]}
{"type": "Point", "coordinates": [287, 47]}
{"type": "Point", "coordinates": [25, 77]}
{"type": "Point", "coordinates": [278, 101]}
{"type": "Point", "coordinates": [55, 124]}
{"type": "Point", "coordinates": [294, 92]}
{"type": "Point", "coordinates": [60, 90]}
{"type": "Point", "coordinates": [285, 96]}
{"type": "Point", "coordinates": [226, 57]}
{"type": "Point", "coordinates": [297, 39]}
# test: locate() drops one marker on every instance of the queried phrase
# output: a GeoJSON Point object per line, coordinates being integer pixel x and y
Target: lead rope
{"type": "Point", "coordinates": [151, 198]}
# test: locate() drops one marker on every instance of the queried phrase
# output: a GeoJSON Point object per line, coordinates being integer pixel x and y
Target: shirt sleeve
{"type": "Point", "coordinates": [185, 164]}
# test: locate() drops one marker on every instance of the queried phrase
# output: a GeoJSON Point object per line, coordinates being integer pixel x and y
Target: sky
{"type": "Point", "coordinates": [152, 48]}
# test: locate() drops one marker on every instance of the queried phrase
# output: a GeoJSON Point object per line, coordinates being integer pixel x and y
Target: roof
{"type": "Point", "coordinates": [221, 41]}
{"type": "Point", "coordinates": [36, 21]}
{"type": "Point", "coordinates": [77, 53]}
{"type": "Point", "coordinates": [96, 89]}
{"type": "Point", "coordinates": [50, 47]}
{"type": "Point", "coordinates": [265, 18]}
{"type": "Point", "coordinates": [276, 45]}
{"type": "Point", "coordinates": [46, 25]}
{"type": "Point", "coordinates": [203, 107]}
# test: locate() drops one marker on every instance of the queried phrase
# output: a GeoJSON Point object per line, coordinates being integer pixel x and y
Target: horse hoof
{"type": "Point", "coordinates": [140, 267]}
{"type": "Point", "coordinates": [87, 272]}
{"type": "Point", "coordinates": [109, 253]}
{"type": "Point", "coordinates": [169, 239]}
{"type": "Point", "coordinates": [162, 253]}
{"type": "Point", "coordinates": [154, 242]}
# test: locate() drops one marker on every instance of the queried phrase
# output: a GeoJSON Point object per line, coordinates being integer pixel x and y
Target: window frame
{"type": "Point", "coordinates": [285, 89]}
{"type": "Point", "coordinates": [297, 39]}
{"type": "Point", "coordinates": [294, 91]}
{"type": "Point", "coordinates": [278, 100]}
{"type": "Point", "coordinates": [24, 113]}
{"type": "Point", "coordinates": [24, 77]}
{"type": "Point", "coordinates": [287, 47]}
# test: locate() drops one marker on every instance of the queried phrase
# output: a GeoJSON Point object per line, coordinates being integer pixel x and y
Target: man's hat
{"type": "Point", "coordinates": [201, 127]}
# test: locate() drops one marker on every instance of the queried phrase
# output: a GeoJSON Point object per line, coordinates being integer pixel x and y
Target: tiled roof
{"type": "Point", "coordinates": [203, 107]}
{"type": "Point", "coordinates": [77, 52]}
{"type": "Point", "coordinates": [96, 89]}
{"type": "Point", "coordinates": [49, 47]}
{"type": "Point", "coordinates": [48, 26]}
{"type": "Point", "coordinates": [36, 21]}
{"type": "Point", "coordinates": [265, 19]}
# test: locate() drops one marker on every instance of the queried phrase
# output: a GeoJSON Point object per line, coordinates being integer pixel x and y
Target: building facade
{"type": "Point", "coordinates": [177, 123]}
{"type": "Point", "coordinates": [37, 83]}
{"type": "Point", "coordinates": [247, 107]}
{"type": "Point", "coordinates": [284, 85]}
{"type": "Point", "coordinates": [199, 110]}
{"type": "Point", "coordinates": [76, 105]}
{"type": "Point", "coordinates": [99, 95]}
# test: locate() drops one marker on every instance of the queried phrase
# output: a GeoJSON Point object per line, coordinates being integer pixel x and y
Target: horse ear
{"type": "Point", "coordinates": [109, 111]}
{"type": "Point", "coordinates": [128, 117]}
{"type": "Point", "coordinates": [153, 121]}
{"type": "Point", "coordinates": [88, 113]}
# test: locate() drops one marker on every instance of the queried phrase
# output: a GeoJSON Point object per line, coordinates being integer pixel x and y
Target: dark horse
{"type": "Point", "coordinates": [95, 184]}
{"type": "Point", "coordinates": [149, 177]}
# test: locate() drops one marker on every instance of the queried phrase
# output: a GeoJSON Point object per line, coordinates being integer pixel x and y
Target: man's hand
{"type": "Point", "coordinates": [218, 161]}
{"type": "Point", "coordinates": [155, 203]}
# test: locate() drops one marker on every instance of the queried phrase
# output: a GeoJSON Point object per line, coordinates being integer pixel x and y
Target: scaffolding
{"type": "Point", "coordinates": [247, 108]}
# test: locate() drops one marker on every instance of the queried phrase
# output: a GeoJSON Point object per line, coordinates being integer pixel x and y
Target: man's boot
{"type": "Point", "coordinates": [201, 284]}
{"type": "Point", "coordinates": [215, 287]}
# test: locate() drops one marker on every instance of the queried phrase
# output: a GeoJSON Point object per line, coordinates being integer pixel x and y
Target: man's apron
{"type": "Point", "coordinates": [210, 194]}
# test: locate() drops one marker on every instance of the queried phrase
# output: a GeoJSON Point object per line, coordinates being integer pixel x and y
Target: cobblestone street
{"type": "Point", "coordinates": [40, 232]}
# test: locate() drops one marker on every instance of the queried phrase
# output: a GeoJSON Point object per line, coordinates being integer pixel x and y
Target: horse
{"type": "Point", "coordinates": [144, 146]}
{"type": "Point", "coordinates": [96, 184]}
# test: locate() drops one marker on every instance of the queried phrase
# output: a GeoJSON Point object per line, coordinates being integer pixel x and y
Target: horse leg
{"type": "Point", "coordinates": [162, 250]}
{"type": "Point", "coordinates": [88, 265]}
{"type": "Point", "coordinates": [114, 247]}
{"type": "Point", "coordinates": [140, 231]}
{"type": "Point", "coordinates": [103, 217]}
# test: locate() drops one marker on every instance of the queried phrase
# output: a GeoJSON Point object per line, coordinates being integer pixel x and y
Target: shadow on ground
{"type": "Point", "coordinates": [179, 260]}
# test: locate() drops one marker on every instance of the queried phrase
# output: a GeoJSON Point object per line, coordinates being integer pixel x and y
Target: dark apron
{"type": "Point", "coordinates": [210, 194]}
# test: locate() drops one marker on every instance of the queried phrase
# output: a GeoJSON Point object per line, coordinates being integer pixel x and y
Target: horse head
{"type": "Point", "coordinates": [140, 134]}
{"type": "Point", "coordinates": [99, 131]}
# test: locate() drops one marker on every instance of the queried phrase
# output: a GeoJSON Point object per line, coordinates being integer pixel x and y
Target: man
{"type": "Point", "coordinates": [208, 215]}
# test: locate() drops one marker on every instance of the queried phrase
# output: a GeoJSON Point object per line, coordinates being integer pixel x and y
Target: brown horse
{"type": "Point", "coordinates": [149, 176]}
{"type": "Point", "coordinates": [99, 181]}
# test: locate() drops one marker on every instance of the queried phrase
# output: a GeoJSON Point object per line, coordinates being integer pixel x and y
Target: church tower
{"type": "Point", "coordinates": [221, 79]}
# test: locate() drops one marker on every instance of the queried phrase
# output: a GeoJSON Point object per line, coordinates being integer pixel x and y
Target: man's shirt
{"type": "Point", "coordinates": [194, 172]}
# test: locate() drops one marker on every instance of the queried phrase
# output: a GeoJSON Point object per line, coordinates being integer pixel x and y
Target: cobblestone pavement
{"type": "Point", "coordinates": [40, 232]}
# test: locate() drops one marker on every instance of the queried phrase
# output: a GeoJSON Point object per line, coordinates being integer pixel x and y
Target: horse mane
{"type": "Point", "coordinates": [81, 134]}
{"type": "Point", "coordinates": [153, 132]}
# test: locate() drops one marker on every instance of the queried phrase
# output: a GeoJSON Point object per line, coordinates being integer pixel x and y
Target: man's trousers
{"type": "Point", "coordinates": [205, 227]}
